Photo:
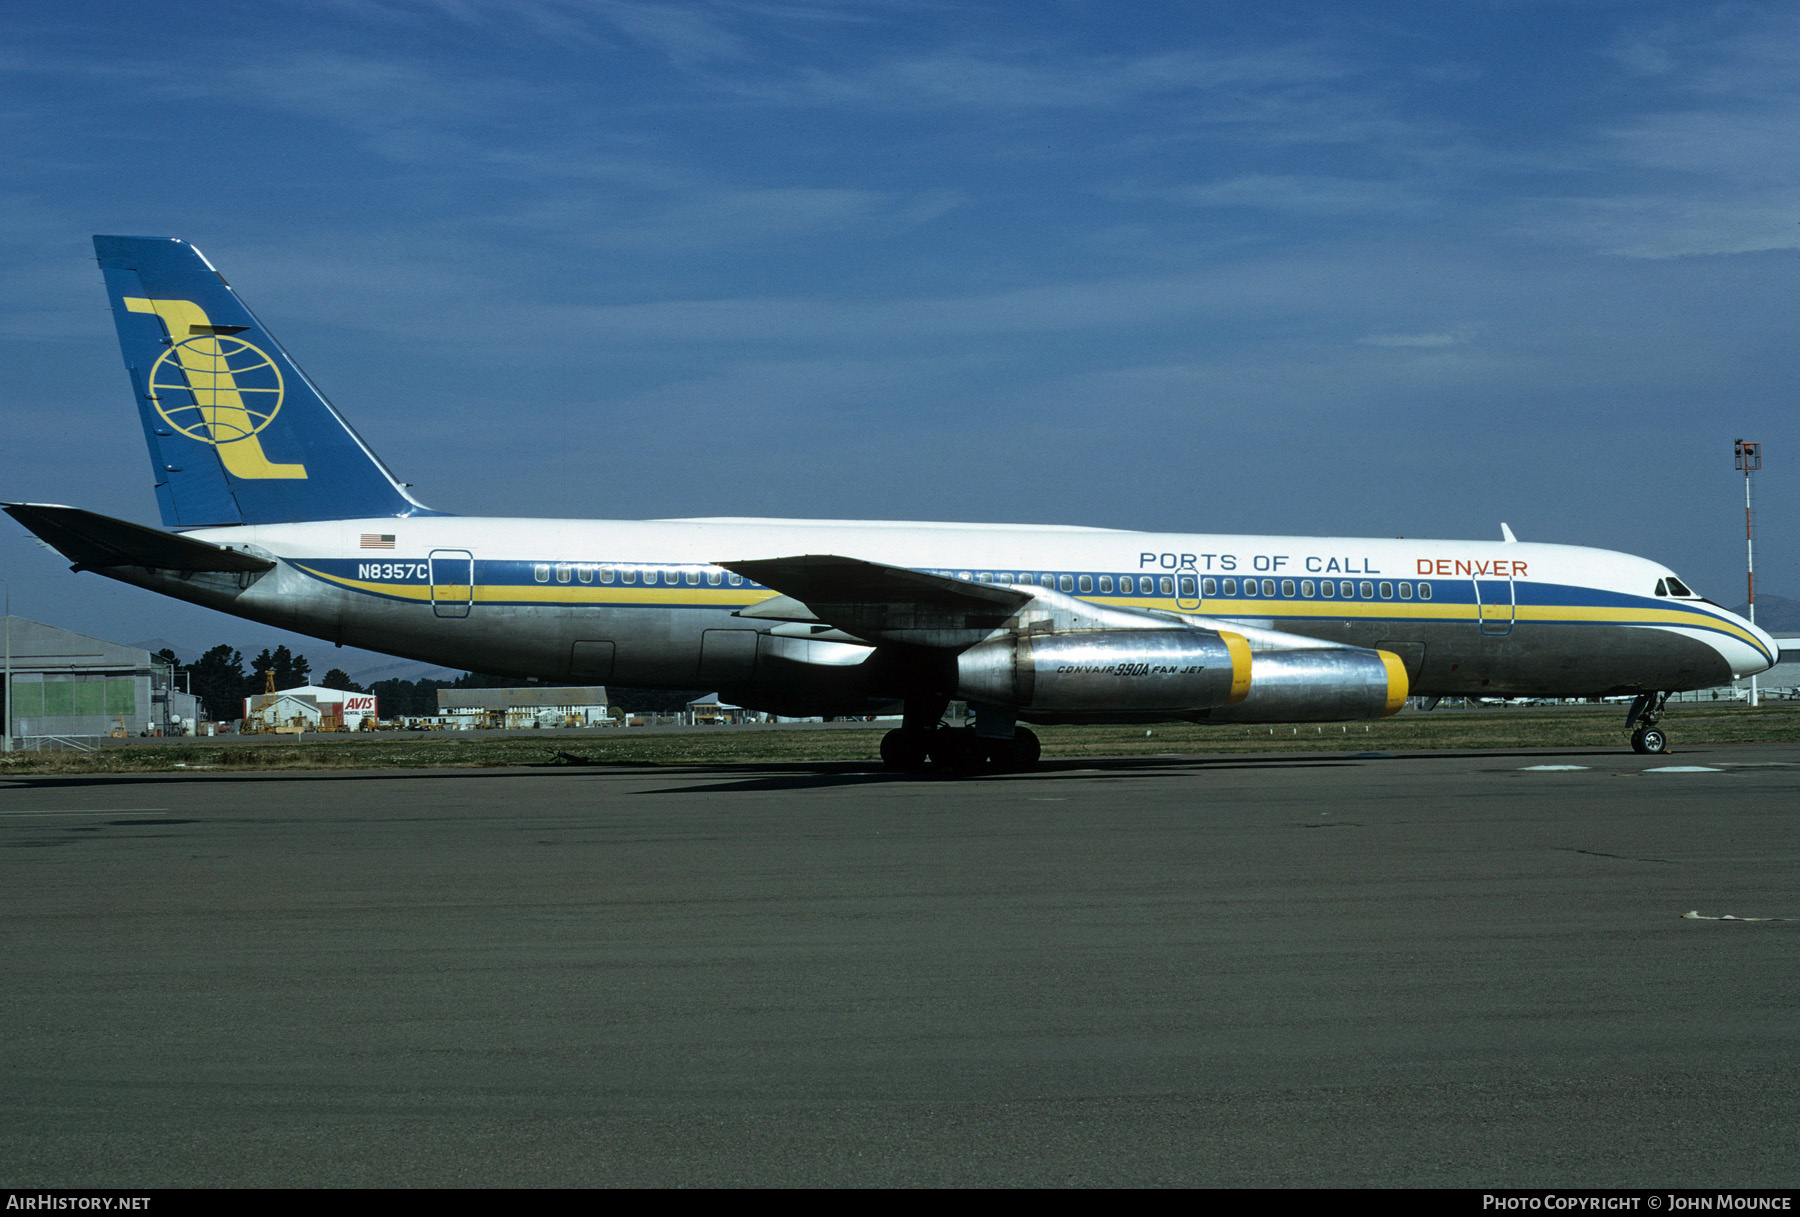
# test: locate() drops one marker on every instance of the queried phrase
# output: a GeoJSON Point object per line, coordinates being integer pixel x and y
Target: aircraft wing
{"type": "Point", "coordinates": [880, 602]}
{"type": "Point", "coordinates": [95, 542]}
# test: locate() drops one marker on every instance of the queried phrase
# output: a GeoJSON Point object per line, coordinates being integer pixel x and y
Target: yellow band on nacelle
{"type": "Point", "coordinates": [1240, 666]}
{"type": "Point", "coordinates": [1398, 686]}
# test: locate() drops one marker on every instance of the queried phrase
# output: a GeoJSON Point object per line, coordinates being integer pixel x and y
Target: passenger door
{"type": "Point", "coordinates": [452, 582]}
{"type": "Point", "coordinates": [1187, 589]}
{"type": "Point", "coordinates": [1494, 606]}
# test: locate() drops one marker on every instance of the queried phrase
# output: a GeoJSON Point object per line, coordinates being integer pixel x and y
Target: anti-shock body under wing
{"type": "Point", "coordinates": [237, 433]}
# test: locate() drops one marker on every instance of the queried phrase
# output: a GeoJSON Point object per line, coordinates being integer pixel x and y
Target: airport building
{"type": "Point", "coordinates": [68, 688]}
{"type": "Point", "coordinates": [309, 708]}
{"type": "Point", "coordinates": [530, 706]}
{"type": "Point", "coordinates": [713, 709]}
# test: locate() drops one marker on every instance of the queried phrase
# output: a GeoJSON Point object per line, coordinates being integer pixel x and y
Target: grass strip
{"type": "Point", "coordinates": [1494, 728]}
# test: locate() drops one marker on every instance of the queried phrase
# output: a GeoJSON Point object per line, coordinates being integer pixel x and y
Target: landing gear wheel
{"type": "Point", "coordinates": [1028, 749]}
{"type": "Point", "coordinates": [1646, 710]}
{"type": "Point", "coordinates": [904, 751]}
{"type": "Point", "coordinates": [1016, 755]}
{"type": "Point", "coordinates": [956, 752]}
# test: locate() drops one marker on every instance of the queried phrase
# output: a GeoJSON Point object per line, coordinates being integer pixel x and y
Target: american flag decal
{"type": "Point", "coordinates": [378, 540]}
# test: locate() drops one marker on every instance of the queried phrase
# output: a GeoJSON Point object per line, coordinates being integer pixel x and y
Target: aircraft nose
{"type": "Point", "coordinates": [1766, 655]}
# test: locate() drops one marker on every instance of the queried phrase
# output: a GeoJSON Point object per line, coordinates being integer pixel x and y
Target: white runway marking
{"type": "Point", "coordinates": [1695, 916]}
{"type": "Point", "coordinates": [104, 811]}
{"type": "Point", "coordinates": [1551, 768]}
{"type": "Point", "coordinates": [1684, 769]}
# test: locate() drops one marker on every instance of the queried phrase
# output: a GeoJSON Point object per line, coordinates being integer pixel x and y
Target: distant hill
{"type": "Point", "coordinates": [153, 645]}
{"type": "Point", "coordinates": [1776, 614]}
{"type": "Point", "coordinates": [363, 667]}
{"type": "Point", "coordinates": [398, 669]}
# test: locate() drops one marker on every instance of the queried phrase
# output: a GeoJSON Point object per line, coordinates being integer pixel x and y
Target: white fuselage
{"type": "Point", "coordinates": [647, 603]}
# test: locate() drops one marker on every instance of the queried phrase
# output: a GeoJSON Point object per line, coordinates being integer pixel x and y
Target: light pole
{"type": "Point", "coordinates": [1749, 459]}
{"type": "Point", "coordinates": [6, 680]}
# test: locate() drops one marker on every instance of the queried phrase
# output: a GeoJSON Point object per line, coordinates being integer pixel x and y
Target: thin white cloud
{"type": "Point", "coordinates": [1427, 340]}
{"type": "Point", "coordinates": [1644, 58]}
{"type": "Point", "coordinates": [980, 79]}
{"type": "Point", "coordinates": [685, 33]}
{"type": "Point", "coordinates": [1706, 167]}
{"type": "Point", "coordinates": [705, 218]}
{"type": "Point", "coordinates": [1301, 194]}
{"type": "Point", "coordinates": [1676, 224]}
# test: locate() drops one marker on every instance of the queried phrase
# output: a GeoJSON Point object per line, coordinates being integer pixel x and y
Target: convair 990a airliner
{"type": "Point", "coordinates": [276, 510]}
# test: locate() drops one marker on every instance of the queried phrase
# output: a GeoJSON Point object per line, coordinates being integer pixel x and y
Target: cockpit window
{"type": "Point", "coordinates": [1662, 587]}
{"type": "Point", "coordinates": [1678, 588]}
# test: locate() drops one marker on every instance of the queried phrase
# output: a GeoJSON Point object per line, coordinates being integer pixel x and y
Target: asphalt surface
{"type": "Point", "coordinates": [1445, 970]}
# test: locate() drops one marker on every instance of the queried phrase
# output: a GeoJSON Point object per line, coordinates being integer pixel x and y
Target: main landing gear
{"type": "Point", "coordinates": [958, 751]}
{"type": "Point", "coordinates": [994, 744]}
{"type": "Point", "coordinates": [1646, 711]}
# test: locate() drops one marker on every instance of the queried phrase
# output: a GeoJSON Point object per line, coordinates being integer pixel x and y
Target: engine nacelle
{"type": "Point", "coordinates": [1195, 674]}
{"type": "Point", "coordinates": [1318, 685]}
{"type": "Point", "coordinates": [1108, 671]}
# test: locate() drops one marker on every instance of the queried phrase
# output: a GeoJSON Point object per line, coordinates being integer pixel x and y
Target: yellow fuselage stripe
{"type": "Point", "coordinates": [1349, 610]}
{"type": "Point", "coordinates": [725, 597]}
{"type": "Point", "coordinates": [1315, 610]}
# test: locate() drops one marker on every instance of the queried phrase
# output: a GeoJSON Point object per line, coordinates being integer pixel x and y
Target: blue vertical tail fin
{"type": "Point", "coordinates": [237, 433]}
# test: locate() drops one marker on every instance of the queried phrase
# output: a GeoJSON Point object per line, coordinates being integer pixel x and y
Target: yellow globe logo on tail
{"type": "Point", "coordinates": [236, 388]}
{"type": "Point", "coordinates": [216, 388]}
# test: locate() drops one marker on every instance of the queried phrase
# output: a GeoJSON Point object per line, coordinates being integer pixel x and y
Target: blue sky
{"type": "Point", "coordinates": [1378, 269]}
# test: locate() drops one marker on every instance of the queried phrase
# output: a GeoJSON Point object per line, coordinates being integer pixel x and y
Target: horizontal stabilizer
{"type": "Point", "coordinates": [96, 542]}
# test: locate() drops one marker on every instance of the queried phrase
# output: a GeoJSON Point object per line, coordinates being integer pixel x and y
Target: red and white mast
{"type": "Point", "coordinates": [1749, 459]}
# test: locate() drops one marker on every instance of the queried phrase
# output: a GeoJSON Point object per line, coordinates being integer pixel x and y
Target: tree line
{"type": "Point", "coordinates": [221, 681]}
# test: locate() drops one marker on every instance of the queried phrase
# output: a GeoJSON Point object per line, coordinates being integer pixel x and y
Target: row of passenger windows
{"type": "Point", "coordinates": [1166, 585]}
{"type": "Point", "coordinates": [1327, 589]}
{"type": "Point", "coordinates": [668, 576]}
{"type": "Point", "coordinates": [1129, 585]}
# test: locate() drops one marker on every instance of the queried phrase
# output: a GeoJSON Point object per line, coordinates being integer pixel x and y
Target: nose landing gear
{"type": "Point", "coordinates": [1646, 711]}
